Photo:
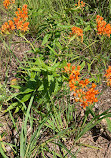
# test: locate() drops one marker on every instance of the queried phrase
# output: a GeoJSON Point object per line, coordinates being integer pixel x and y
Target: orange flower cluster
{"type": "Point", "coordinates": [19, 21]}
{"type": "Point", "coordinates": [77, 31]}
{"type": "Point", "coordinates": [102, 26]}
{"type": "Point", "coordinates": [7, 26]}
{"type": "Point", "coordinates": [21, 16]}
{"type": "Point", "coordinates": [6, 3]}
{"type": "Point", "coordinates": [80, 4]}
{"type": "Point", "coordinates": [82, 94]}
{"type": "Point", "coordinates": [108, 76]}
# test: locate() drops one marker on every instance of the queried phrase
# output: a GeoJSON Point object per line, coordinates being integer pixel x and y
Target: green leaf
{"type": "Point", "coordinates": [23, 135]}
{"type": "Point", "coordinates": [41, 88]}
{"type": "Point", "coordinates": [15, 86]}
{"type": "Point", "coordinates": [17, 109]}
{"type": "Point", "coordinates": [50, 78]}
{"type": "Point", "coordinates": [59, 45]}
{"type": "Point", "coordinates": [57, 86]}
{"type": "Point", "coordinates": [82, 65]}
{"type": "Point", "coordinates": [56, 65]}
{"type": "Point", "coordinates": [22, 143]}
{"type": "Point", "coordinates": [42, 65]}
{"type": "Point", "coordinates": [35, 69]}
{"type": "Point", "coordinates": [2, 152]}
{"type": "Point", "coordinates": [52, 50]}
{"type": "Point", "coordinates": [28, 90]}
{"type": "Point", "coordinates": [12, 106]}
{"type": "Point", "coordinates": [61, 145]}
{"type": "Point", "coordinates": [72, 38]}
{"type": "Point", "coordinates": [26, 97]}
{"type": "Point", "coordinates": [87, 28]}
{"type": "Point", "coordinates": [89, 67]}
{"type": "Point", "coordinates": [46, 38]}
{"type": "Point", "coordinates": [108, 124]}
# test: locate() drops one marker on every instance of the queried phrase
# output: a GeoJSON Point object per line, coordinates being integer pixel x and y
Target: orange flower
{"type": "Point", "coordinates": [67, 68]}
{"type": "Point", "coordinates": [7, 27]}
{"type": "Point", "coordinates": [102, 28]}
{"type": "Point", "coordinates": [84, 104]}
{"type": "Point", "coordinates": [76, 100]}
{"type": "Point", "coordinates": [19, 25]}
{"type": "Point", "coordinates": [4, 27]}
{"type": "Point", "coordinates": [6, 3]}
{"type": "Point", "coordinates": [72, 84]}
{"type": "Point", "coordinates": [74, 94]}
{"type": "Point", "coordinates": [80, 4]}
{"type": "Point", "coordinates": [68, 64]}
{"type": "Point", "coordinates": [21, 17]}
{"type": "Point", "coordinates": [11, 25]}
{"type": "Point", "coordinates": [90, 95]}
{"type": "Point", "coordinates": [78, 67]}
{"type": "Point", "coordinates": [77, 31]}
{"type": "Point", "coordinates": [25, 26]}
{"type": "Point", "coordinates": [93, 85]}
{"type": "Point", "coordinates": [75, 74]}
{"type": "Point", "coordinates": [19, 21]}
{"type": "Point", "coordinates": [82, 93]}
{"type": "Point", "coordinates": [16, 20]}
{"type": "Point", "coordinates": [84, 83]}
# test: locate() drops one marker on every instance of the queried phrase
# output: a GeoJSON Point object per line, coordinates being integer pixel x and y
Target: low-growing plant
{"type": "Point", "coordinates": [64, 32]}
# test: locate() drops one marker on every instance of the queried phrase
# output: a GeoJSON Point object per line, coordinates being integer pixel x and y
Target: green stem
{"type": "Point", "coordinates": [28, 42]}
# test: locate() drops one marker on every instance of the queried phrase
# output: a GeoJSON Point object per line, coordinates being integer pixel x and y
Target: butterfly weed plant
{"type": "Point", "coordinates": [70, 51]}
